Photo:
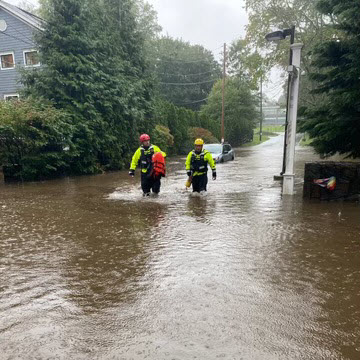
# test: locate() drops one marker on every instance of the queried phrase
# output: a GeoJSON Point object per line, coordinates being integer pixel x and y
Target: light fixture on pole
{"type": "Point", "coordinates": [277, 36]}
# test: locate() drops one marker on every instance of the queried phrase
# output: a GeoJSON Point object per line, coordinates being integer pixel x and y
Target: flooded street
{"type": "Point", "coordinates": [91, 270]}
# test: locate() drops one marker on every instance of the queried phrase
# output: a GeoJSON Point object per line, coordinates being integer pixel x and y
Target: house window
{"type": "Point", "coordinates": [11, 97]}
{"type": "Point", "coordinates": [31, 58]}
{"type": "Point", "coordinates": [7, 61]}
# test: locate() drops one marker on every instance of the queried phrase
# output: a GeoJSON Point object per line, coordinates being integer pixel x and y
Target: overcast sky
{"type": "Point", "coordinates": [206, 22]}
{"type": "Point", "coordinates": [210, 23]}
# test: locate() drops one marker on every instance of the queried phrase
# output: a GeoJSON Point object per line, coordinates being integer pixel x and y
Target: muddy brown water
{"type": "Point", "coordinates": [91, 270]}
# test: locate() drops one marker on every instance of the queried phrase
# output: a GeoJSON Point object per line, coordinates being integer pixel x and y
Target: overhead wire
{"type": "Point", "coordinates": [14, 37]}
{"type": "Point", "coordinates": [181, 61]}
{"type": "Point", "coordinates": [175, 60]}
{"type": "Point", "coordinates": [276, 87]}
{"type": "Point", "coordinates": [195, 74]}
{"type": "Point", "coordinates": [192, 102]}
{"type": "Point", "coordinates": [186, 84]}
{"type": "Point", "coordinates": [22, 34]}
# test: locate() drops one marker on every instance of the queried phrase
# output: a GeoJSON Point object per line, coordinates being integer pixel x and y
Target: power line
{"type": "Point", "coordinates": [192, 102]}
{"type": "Point", "coordinates": [174, 60]}
{"type": "Point", "coordinates": [185, 84]}
{"type": "Point", "coordinates": [14, 37]}
{"type": "Point", "coordinates": [276, 86]}
{"type": "Point", "coordinates": [22, 34]}
{"type": "Point", "coordinates": [182, 61]}
{"type": "Point", "coordinates": [195, 74]}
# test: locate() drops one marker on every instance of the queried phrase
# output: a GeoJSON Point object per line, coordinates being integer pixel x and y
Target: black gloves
{"type": "Point", "coordinates": [132, 172]}
{"type": "Point", "coordinates": [188, 173]}
{"type": "Point", "coordinates": [214, 174]}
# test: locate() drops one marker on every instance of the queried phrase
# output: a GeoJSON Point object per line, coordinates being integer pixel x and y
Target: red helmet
{"type": "Point", "coordinates": [144, 137]}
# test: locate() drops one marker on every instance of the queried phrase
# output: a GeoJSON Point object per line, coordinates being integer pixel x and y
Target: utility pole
{"type": "Point", "coordinates": [294, 73]}
{"type": "Point", "coordinates": [223, 98]}
{"type": "Point", "coordinates": [292, 39]}
{"type": "Point", "coordinates": [261, 111]}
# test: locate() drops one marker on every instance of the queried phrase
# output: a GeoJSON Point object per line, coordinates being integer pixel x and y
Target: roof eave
{"type": "Point", "coordinates": [13, 11]}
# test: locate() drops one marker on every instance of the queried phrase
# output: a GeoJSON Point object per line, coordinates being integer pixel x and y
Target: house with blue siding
{"type": "Point", "coordinates": [17, 47]}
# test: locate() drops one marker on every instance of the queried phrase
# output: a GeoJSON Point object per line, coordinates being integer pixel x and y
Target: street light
{"type": "Point", "coordinates": [281, 34]}
{"type": "Point", "coordinates": [277, 36]}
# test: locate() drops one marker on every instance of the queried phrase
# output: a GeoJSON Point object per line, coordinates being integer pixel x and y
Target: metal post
{"type": "Point", "coordinates": [261, 111]}
{"type": "Point", "coordinates": [223, 98]}
{"type": "Point", "coordinates": [290, 136]}
{"type": "Point", "coordinates": [292, 39]}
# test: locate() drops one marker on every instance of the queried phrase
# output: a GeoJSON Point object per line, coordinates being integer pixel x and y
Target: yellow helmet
{"type": "Point", "coordinates": [199, 142]}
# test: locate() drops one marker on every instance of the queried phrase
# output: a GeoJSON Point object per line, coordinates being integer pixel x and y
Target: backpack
{"type": "Point", "coordinates": [158, 165]}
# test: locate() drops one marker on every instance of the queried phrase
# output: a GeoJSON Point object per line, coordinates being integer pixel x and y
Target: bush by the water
{"type": "Point", "coordinates": [35, 140]}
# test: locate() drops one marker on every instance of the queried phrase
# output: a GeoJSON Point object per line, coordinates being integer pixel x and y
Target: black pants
{"type": "Point", "coordinates": [148, 182]}
{"type": "Point", "coordinates": [199, 182]}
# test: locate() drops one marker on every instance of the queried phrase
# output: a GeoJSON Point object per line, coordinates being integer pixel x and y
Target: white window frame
{"type": "Point", "coordinates": [28, 51]}
{"type": "Point", "coordinates": [7, 53]}
{"type": "Point", "coordinates": [11, 95]}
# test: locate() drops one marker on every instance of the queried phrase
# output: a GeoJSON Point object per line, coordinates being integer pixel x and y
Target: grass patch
{"type": "Point", "coordinates": [305, 140]}
{"type": "Point", "coordinates": [271, 130]}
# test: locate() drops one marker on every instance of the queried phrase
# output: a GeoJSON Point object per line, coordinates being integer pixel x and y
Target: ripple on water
{"type": "Point", "coordinates": [91, 269]}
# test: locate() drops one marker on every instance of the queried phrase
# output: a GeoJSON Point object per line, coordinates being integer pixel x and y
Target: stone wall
{"type": "Point", "coordinates": [347, 180]}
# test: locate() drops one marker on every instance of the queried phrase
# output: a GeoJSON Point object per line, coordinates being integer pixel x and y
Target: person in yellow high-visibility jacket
{"type": "Point", "coordinates": [197, 166]}
{"type": "Point", "coordinates": [144, 154]}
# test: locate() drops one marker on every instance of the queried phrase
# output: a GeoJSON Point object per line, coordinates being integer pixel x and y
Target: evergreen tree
{"type": "Point", "coordinates": [94, 69]}
{"type": "Point", "coordinates": [335, 123]}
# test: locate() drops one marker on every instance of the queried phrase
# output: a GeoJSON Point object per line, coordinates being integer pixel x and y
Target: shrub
{"type": "Point", "coordinates": [206, 135]}
{"type": "Point", "coordinates": [161, 137]}
{"type": "Point", "coordinates": [195, 133]}
{"type": "Point", "coordinates": [35, 140]}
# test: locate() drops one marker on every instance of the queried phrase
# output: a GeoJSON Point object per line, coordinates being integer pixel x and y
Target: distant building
{"type": "Point", "coordinates": [273, 115]}
{"type": "Point", "coordinates": [17, 47]}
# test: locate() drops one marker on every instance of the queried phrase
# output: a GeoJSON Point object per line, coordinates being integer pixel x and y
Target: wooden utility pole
{"type": "Point", "coordinates": [223, 97]}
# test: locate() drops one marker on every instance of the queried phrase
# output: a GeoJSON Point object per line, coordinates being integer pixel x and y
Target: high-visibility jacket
{"type": "Point", "coordinates": [144, 156]}
{"type": "Point", "coordinates": [197, 163]}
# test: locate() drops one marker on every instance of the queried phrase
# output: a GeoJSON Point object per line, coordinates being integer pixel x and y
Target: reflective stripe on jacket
{"type": "Point", "coordinates": [198, 162]}
{"type": "Point", "coordinates": [144, 156]}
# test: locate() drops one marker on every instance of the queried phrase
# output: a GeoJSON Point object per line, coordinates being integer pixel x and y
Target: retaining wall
{"type": "Point", "coordinates": [347, 176]}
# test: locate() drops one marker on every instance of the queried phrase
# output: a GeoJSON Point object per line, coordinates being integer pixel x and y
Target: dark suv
{"type": "Point", "coordinates": [220, 152]}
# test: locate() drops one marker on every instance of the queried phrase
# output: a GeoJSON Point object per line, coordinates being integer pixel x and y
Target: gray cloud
{"type": "Point", "coordinates": [206, 22]}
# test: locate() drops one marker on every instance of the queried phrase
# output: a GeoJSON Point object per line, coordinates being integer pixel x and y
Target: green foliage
{"type": "Point", "coordinates": [241, 114]}
{"type": "Point", "coordinates": [95, 69]}
{"type": "Point", "coordinates": [334, 125]}
{"type": "Point", "coordinates": [161, 137]}
{"type": "Point", "coordinates": [146, 18]}
{"type": "Point", "coordinates": [246, 64]}
{"type": "Point", "coordinates": [311, 29]}
{"type": "Point", "coordinates": [35, 140]}
{"type": "Point", "coordinates": [185, 73]}
{"type": "Point", "coordinates": [265, 16]}
{"type": "Point", "coordinates": [196, 133]}
{"type": "Point", "coordinates": [178, 120]}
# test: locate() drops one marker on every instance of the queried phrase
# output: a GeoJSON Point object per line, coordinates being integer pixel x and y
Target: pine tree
{"type": "Point", "coordinates": [95, 70]}
{"type": "Point", "coordinates": [335, 124]}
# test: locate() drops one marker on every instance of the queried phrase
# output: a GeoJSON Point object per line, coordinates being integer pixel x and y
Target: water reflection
{"type": "Point", "coordinates": [90, 269]}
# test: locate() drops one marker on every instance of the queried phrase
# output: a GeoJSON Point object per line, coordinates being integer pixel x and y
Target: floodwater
{"type": "Point", "coordinates": [91, 270]}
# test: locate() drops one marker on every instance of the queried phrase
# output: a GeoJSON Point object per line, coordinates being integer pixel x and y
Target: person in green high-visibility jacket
{"type": "Point", "coordinates": [144, 155]}
{"type": "Point", "coordinates": [197, 166]}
